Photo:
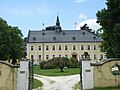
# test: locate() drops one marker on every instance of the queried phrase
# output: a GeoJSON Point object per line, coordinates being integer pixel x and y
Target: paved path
{"type": "Point", "coordinates": [58, 82]}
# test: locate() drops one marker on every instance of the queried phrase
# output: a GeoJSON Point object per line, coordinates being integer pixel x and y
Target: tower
{"type": "Point", "coordinates": [58, 27]}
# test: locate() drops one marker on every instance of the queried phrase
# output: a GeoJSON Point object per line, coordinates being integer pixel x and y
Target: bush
{"type": "Point", "coordinates": [59, 62]}
{"type": "Point", "coordinates": [42, 64]}
{"type": "Point", "coordinates": [73, 63]}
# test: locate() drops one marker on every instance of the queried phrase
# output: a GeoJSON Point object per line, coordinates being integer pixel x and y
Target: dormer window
{"type": "Point", "coordinates": [63, 33]}
{"type": "Point", "coordinates": [94, 37]}
{"type": "Point", "coordinates": [43, 33]}
{"type": "Point", "coordinates": [54, 38]}
{"type": "Point", "coordinates": [73, 38]}
{"type": "Point", "coordinates": [34, 38]}
{"type": "Point", "coordinates": [83, 33]}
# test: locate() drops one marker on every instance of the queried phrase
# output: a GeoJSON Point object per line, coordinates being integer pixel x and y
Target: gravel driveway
{"type": "Point", "coordinates": [58, 82]}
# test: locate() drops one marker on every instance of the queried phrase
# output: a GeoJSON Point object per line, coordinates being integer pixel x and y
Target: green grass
{"type": "Point", "coordinates": [56, 72]}
{"type": "Point", "coordinates": [37, 83]}
{"type": "Point", "coordinates": [77, 86]}
{"type": "Point", "coordinates": [107, 88]}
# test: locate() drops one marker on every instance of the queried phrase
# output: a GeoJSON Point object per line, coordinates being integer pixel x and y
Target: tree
{"type": "Point", "coordinates": [16, 44]}
{"type": "Point", "coordinates": [4, 40]}
{"type": "Point", "coordinates": [63, 63]}
{"type": "Point", "coordinates": [109, 19]}
{"type": "Point", "coordinates": [10, 42]}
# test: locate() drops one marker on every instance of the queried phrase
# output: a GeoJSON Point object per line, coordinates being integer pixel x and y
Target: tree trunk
{"type": "Point", "coordinates": [61, 69]}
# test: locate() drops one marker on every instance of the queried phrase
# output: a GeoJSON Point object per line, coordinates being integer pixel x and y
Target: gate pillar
{"type": "Point", "coordinates": [87, 74]}
{"type": "Point", "coordinates": [23, 75]}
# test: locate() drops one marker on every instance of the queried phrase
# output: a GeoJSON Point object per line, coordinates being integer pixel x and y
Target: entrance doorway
{"type": "Point", "coordinates": [74, 55]}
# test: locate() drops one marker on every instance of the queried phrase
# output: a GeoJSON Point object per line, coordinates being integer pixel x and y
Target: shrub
{"type": "Point", "coordinates": [42, 64]}
{"type": "Point", "coordinates": [59, 62]}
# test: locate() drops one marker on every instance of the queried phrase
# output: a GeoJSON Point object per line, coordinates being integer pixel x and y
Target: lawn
{"type": "Point", "coordinates": [107, 88]}
{"type": "Point", "coordinates": [56, 72]}
{"type": "Point", "coordinates": [37, 83]}
{"type": "Point", "coordinates": [77, 86]}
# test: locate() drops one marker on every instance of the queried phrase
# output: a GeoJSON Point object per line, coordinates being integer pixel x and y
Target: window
{"type": "Point", "coordinates": [32, 57]}
{"type": "Point", "coordinates": [88, 56]}
{"type": "Point", "coordinates": [83, 33]}
{"type": "Point", "coordinates": [53, 48]}
{"type": "Point", "coordinates": [63, 33]}
{"type": "Point", "coordinates": [88, 47]}
{"type": "Point", "coordinates": [82, 56]}
{"type": "Point", "coordinates": [94, 37]}
{"type": "Point", "coordinates": [95, 56]}
{"type": "Point", "coordinates": [39, 57]}
{"type": "Point", "coordinates": [47, 57]}
{"type": "Point", "coordinates": [59, 47]}
{"type": "Point", "coordinates": [74, 48]}
{"type": "Point", "coordinates": [94, 47]}
{"type": "Point", "coordinates": [59, 55]}
{"type": "Point", "coordinates": [43, 33]}
{"type": "Point", "coordinates": [32, 48]}
{"type": "Point", "coordinates": [53, 56]}
{"type": "Point", "coordinates": [47, 47]}
{"type": "Point", "coordinates": [66, 47]}
{"type": "Point", "coordinates": [73, 38]}
{"type": "Point", "coordinates": [54, 38]}
{"type": "Point", "coordinates": [39, 48]}
{"type": "Point", "coordinates": [66, 55]}
{"type": "Point", "coordinates": [34, 38]}
{"type": "Point", "coordinates": [82, 47]}
{"type": "Point", "coordinates": [101, 56]}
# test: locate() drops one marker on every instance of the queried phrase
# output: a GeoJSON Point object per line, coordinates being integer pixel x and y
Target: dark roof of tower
{"type": "Point", "coordinates": [57, 21]}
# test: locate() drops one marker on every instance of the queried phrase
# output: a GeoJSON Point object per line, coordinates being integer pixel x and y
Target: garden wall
{"type": "Point", "coordinates": [8, 76]}
{"type": "Point", "coordinates": [107, 73]}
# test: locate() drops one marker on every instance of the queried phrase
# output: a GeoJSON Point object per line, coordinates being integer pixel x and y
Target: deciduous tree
{"type": "Point", "coordinates": [109, 19]}
{"type": "Point", "coordinates": [10, 42]}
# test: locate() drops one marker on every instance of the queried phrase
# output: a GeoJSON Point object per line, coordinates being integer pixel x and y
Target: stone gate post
{"type": "Point", "coordinates": [87, 74]}
{"type": "Point", "coordinates": [23, 75]}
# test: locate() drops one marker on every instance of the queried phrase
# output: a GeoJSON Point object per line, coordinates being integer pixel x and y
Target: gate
{"type": "Point", "coordinates": [31, 75]}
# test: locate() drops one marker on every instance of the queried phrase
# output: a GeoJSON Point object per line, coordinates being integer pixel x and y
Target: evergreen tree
{"type": "Point", "coordinates": [109, 19]}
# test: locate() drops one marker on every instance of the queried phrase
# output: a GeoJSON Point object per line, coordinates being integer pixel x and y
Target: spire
{"type": "Point", "coordinates": [58, 27]}
{"type": "Point", "coordinates": [57, 21]}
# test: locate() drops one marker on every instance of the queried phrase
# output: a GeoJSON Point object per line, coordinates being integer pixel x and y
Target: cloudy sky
{"type": "Point", "coordinates": [31, 14]}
